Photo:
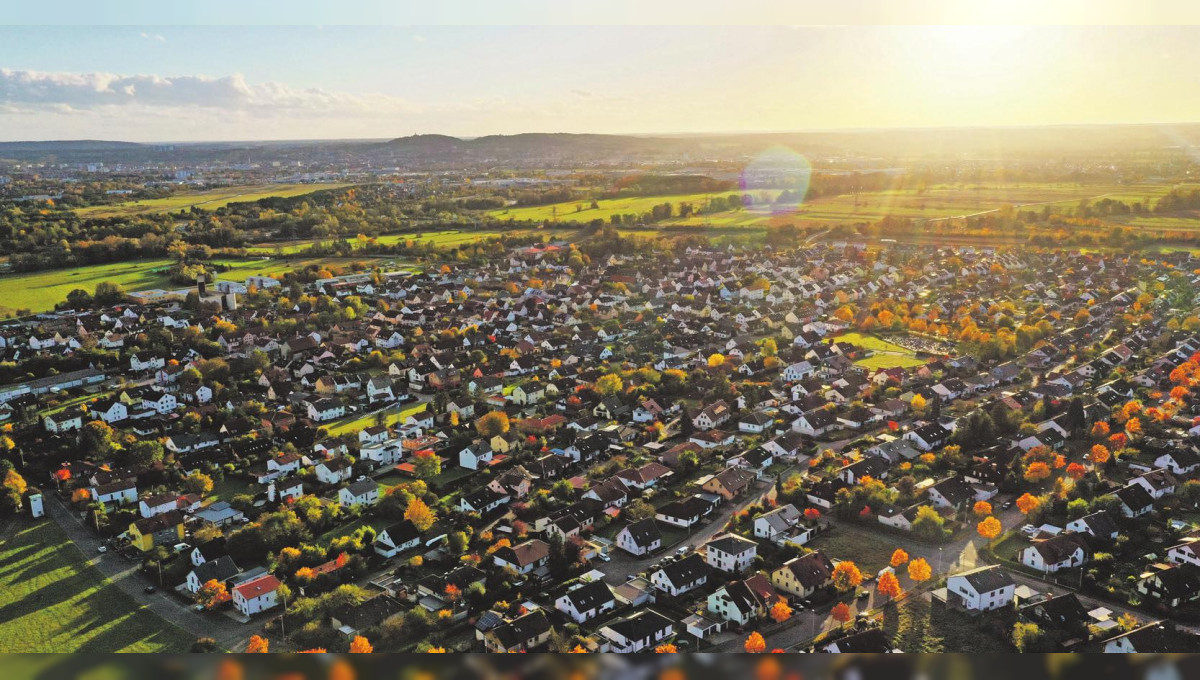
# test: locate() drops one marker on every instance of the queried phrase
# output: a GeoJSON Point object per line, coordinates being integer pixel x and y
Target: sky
{"type": "Point", "coordinates": [196, 82]}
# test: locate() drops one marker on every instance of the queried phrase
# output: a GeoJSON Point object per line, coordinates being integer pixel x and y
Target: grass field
{"type": "Point", "coordinates": [352, 424]}
{"type": "Point", "coordinates": [937, 202]}
{"type": "Point", "coordinates": [208, 200]}
{"type": "Point", "coordinates": [51, 600]}
{"type": "Point", "coordinates": [888, 355]}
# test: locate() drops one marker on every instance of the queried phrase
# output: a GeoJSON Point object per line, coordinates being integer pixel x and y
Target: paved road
{"type": "Point", "coordinates": [228, 633]}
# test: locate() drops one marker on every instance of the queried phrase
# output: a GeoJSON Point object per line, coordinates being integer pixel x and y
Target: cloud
{"type": "Point", "coordinates": [157, 37]}
{"type": "Point", "coordinates": [34, 90]}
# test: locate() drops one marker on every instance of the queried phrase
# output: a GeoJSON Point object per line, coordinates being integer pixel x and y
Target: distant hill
{"type": "Point", "coordinates": [67, 146]}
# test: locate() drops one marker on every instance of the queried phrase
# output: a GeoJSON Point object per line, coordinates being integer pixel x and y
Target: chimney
{"type": "Point", "coordinates": [201, 282]}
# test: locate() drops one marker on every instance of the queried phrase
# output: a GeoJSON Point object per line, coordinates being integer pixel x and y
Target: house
{"type": "Point", "coordinates": [1063, 551]}
{"type": "Point", "coordinates": [164, 529]}
{"type": "Point", "coordinates": [815, 423]}
{"type": "Point", "coordinates": [325, 409]}
{"type": "Point", "coordinates": [680, 576]}
{"type": "Point", "coordinates": [1181, 461]}
{"type": "Point", "coordinates": [1061, 617]}
{"type": "Point", "coordinates": [684, 513]}
{"type": "Point", "coordinates": [522, 634]}
{"type": "Point", "coordinates": [220, 569]}
{"type": "Point", "coordinates": [477, 455]}
{"type": "Point", "coordinates": [586, 601]}
{"type": "Point", "coordinates": [730, 553]}
{"type": "Point", "coordinates": [335, 471]}
{"type": "Point", "coordinates": [1097, 524]}
{"type": "Point", "coordinates": [802, 576]}
{"type": "Point", "coordinates": [713, 415]}
{"type": "Point", "coordinates": [871, 641]}
{"type": "Point", "coordinates": [1152, 638]}
{"type": "Point", "coordinates": [981, 589]}
{"type": "Point", "coordinates": [63, 421]}
{"type": "Point", "coordinates": [219, 514]}
{"type": "Point", "coordinates": [365, 492]}
{"type": "Point", "coordinates": [156, 505]}
{"type": "Point", "coordinates": [1135, 500]}
{"type": "Point", "coordinates": [756, 423]}
{"type": "Point", "coordinates": [397, 538]}
{"type": "Point", "coordinates": [952, 492]}
{"type": "Point", "coordinates": [640, 538]}
{"type": "Point", "coordinates": [1174, 586]}
{"type": "Point", "coordinates": [779, 521]}
{"type": "Point", "coordinates": [929, 436]}
{"type": "Point", "coordinates": [1158, 483]}
{"type": "Point", "coordinates": [351, 619]}
{"type": "Point", "coordinates": [729, 484]}
{"type": "Point", "coordinates": [1185, 553]}
{"type": "Point", "coordinates": [524, 557]}
{"type": "Point", "coordinates": [742, 602]}
{"type": "Point", "coordinates": [482, 500]}
{"type": "Point", "coordinates": [640, 632]}
{"type": "Point", "coordinates": [645, 476]}
{"type": "Point", "coordinates": [256, 595]}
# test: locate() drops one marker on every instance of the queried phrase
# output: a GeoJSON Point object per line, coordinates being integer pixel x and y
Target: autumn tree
{"type": "Point", "coordinates": [491, 424]}
{"type": "Point", "coordinates": [888, 585]}
{"type": "Point", "coordinates": [841, 612]}
{"type": "Point", "coordinates": [419, 514]}
{"type": "Point", "coordinates": [258, 645]}
{"type": "Point", "coordinates": [715, 360]}
{"type": "Point", "coordinates": [1027, 503]}
{"type": "Point", "coordinates": [899, 557]}
{"type": "Point", "coordinates": [780, 612]}
{"type": "Point", "coordinates": [666, 649]}
{"type": "Point", "coordinates": [846, 576]}
{"type": "Point", "coordinates": [1076, 471]}
{"type": "Point", "coordinates": [989, 528]}
{"type": "Point", "coordinates": [426, 464]}
{"type": "Point", "coordinates": [1100, 454]}
{"type": "Point", "coordinates": [1037, 471]}
{"type": "Point", "coordinates": [212, 594]}
{"type": "Point", "coordinates": [755, 644]}
{"type": "Point", "coordinates": [982, 508]}
{"type": "Point", "coordinates": [918, 404]}
{"type": "Point", "coordinates": [360, 645]}
{"type": "Point", "coordinates": [608, 385]}
{"type": "Point", "coordinates": [198, 483]}
{"type": "Point", "coordinates": [1100, 430]}
{"type": "Point", "coordinates": [919, 570]}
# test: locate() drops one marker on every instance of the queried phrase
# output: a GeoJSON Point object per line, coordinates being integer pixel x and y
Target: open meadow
{"type": "Point", "coordinates": [52, 600]}
{"type": "Point", "coordinates": [208, 200]}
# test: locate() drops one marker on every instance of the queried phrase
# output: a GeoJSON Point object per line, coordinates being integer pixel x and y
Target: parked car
{"type": "Point", "coordinates": [102, 549]}
{"type": "Point", "coordinates": [149, 590]}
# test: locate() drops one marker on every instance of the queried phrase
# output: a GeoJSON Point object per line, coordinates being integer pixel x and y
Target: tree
{"type": "Point", "coordinates": [666, 649]}
{"type": "Point", "coordinates": [96, 439]}
{"type": "Point", "coordinates": [1026, 636]}
{"type": "Point", "coordinates": [212, 594]}
{"type": "Point", "coordinates": [982, 508]}
{"type": "Point", "coordinates": [1100, 454]}
{"type": "Point", "coordinates": [812, 514]}
{"type": "Point", "coordinates": [198, 483]}
{"type": "Point", "coordinates": [1027, 503]}
{"type": "Point", "coordinates": [841, 612]}
{"type": "Point", "coordinates": [258, 645]}
{"type": "Point", "coordinates": [899, 557]}
{"type": "Point", "coordinates": [608, 385]}
{"type": "Point", "coordinates": [755, 644]}
{"type": "Point", "coordinates": [1076, 471]}
{"type": "Point", "coordinates": [638, 510]}
{"type": "Point", "coordinates": [419, 514]}
{"type": "Point", "coordinates": [918, 404]}
{"type": "Point", "coordinates": [989, 528]}
{"type": "Point", "coordinates": [715, 360]}
{"type": "Point", "coordinates": [846, 576]}
{"type": "Point", "coordinates": [360, 645]}
{"type": "Point", "coordinates": [491, 424]}
{"type": "Point", "coordinates": [144, 453]}
{"type": "Point", "coordinates": [1037, 471]}
{"type": "Point", "coordinates": [426, 464]}
{"type": "Point", "coordinates": [1100, 430]}
{"type": "Point", "coordinates": [780, 612]}
{"type": "Point", "coordinates": [919, 570]}
{"type": "Point", "coordinates": [888, 585]}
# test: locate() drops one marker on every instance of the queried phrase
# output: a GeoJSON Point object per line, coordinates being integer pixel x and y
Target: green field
{"type": "Point", "coordinates": [887, 354]}
{"type": "Point", "coordinates": [41, 291]}
{"type": "Point", "coordinates": [937, 202]}
{"type": "Point", "coordinates": [208, 200]}
{"type": "Point", "coordinates": [352, 424]}
{"type": "Point", "coordinates": [51, 600]}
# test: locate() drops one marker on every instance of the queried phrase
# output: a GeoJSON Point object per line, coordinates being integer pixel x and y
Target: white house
{"type": "Point", "coordinates": [365, 492]}
{"type": "Point", "coordinates": [586, 601]}
{"type": "Point", "coordinates": [730, 553]}
{"type": "Point", "coordinates": [334, 471]}
{"type": "Point", "coordinates": [479, 454]}
{"type": "Point", "coordinates": [397, 538]}
{"type": "Point", "coordinates": [981, 589]}
{"type": "Point", "coordinates": [638, 633]}
{"type": "Point", "coordinates": [256, 595]}
{"type": "Point", "coordinates": [680, 576]}
{"type": "Point", "coordinates": [640, 538]}
{"type": "Point", "coordinates": [1060, 552]}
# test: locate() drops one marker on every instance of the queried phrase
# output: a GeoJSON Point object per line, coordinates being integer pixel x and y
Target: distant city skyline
{"type": "Point", "coordinates": [197, 83]}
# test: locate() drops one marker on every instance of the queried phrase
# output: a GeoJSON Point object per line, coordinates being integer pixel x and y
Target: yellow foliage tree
{"type": "Point", "coordinates": [919, 570]}
{"type": "Point", "coordinates": [899, 557]}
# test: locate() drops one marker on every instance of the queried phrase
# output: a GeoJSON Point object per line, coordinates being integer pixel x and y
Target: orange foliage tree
{"type": "Point", "coordinates": [1027, 503]}
{"type": "Point", "coordinates": [919, 570]}
{"type": "Point", "coordinates": [989, 528]}
{"type": "Point", "coordinates": [780, 612]}
{"type": "Point", "coordinates": [899, 557]}
{"type": "Point", "coordinates": [258, 645]}
{"type": "Point", "coordinates": [982, 509]}
{"type": "Point", "coordinates": [841, 612]}
{"type": "Point", "coordinates": [360, 645]}
{"type": "Point", "coordinates": [1037, 471]}
{"type": "Point", "coordinates": [846, 575]}
{"type": "Point", "coordinates": [888, 585]}
{"type": "Point", "coordinates": [1100, 454]}
{"type": "Point", "coordinates": [666, 649]}
{"type": "Point", "coordinates": [755, 644]}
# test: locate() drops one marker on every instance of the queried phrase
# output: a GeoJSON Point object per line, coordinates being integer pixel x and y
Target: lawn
{"type": "Point", "coordinates": [352, 424]}
{"type": "Point", "coordinates": [887, 354]}
{"type": "Point", "coordinates": [51, 600]}
{"type": "Point", "coordinates": [915, 626]}
{"type": "Point", "coordinates": [869, 550]}
{"type": "Point", "coordinates": [208, 200]}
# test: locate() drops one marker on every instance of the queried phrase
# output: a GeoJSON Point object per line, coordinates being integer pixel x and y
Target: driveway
{"type": "Point", "coordinates": [228, 634]}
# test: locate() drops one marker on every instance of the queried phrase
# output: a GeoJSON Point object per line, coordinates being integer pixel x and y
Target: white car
{"type": "Point", "coordinates": [102, 549]}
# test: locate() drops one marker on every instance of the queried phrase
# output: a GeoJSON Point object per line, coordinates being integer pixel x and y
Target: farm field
{"type": "Point", "coordinates": [208, 200]}
{"type": "Point", "coordinates": [447, 237]}
{"type": "Point", "coordinates": [938, 202]}
{"type": "Point", "coordinates": [51, 600]}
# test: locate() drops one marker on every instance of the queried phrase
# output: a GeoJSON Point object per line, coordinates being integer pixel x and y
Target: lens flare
{"type": "Point", "coordinates": [775, 182]}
